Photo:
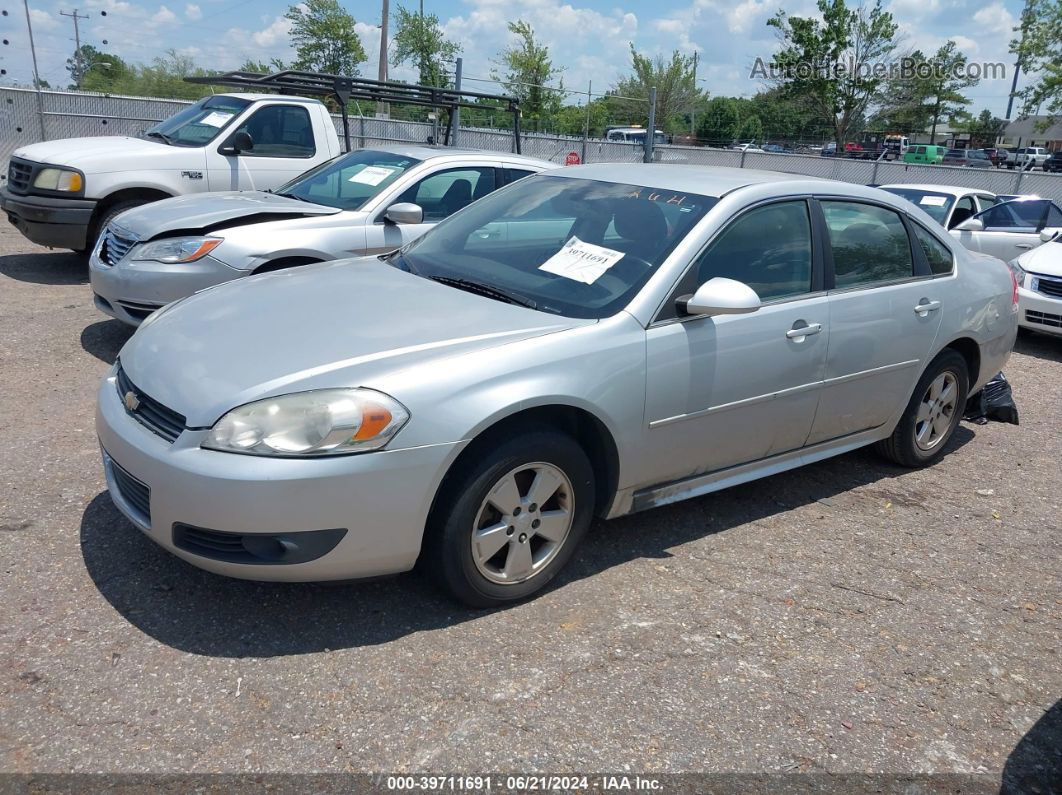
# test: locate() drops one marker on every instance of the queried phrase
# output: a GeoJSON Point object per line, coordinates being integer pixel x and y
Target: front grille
{"type": "Point", "coordinates": [154, 416]}
{"type": "Point", "coordinates": [19, 173]}
{"type": "Point", "coordinates": [1043, 318]}
{"type": "Point", "coordinates": [136, 494]}
{"type": "Point", "coordinates": [1049, 286]}
{"type": "Point", "coordinates": [114, 247]}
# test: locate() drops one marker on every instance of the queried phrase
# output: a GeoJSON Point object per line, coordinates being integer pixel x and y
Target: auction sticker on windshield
{"type": "Point", "coordinates": [372, 175]}
{"type": "Point", "coordinates": [215, 118]}
{"type": "Point", "coordinates": [580, 261]}
{"type": "Point", "coordinates": [933, 201]}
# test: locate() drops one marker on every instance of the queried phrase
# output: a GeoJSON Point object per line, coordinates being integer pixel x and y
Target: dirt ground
{"type": "Point", "coordinates": [847, 617]}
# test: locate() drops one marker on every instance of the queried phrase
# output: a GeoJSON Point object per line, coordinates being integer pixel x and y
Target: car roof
{"type": "Point", "coordinates": [705, 180]}
{"type": "Point", "coordinates": [270, 97]}
{"type": "Point", "coordinates": [426, 152]}
{"type": "Point", "coordinates": [954, 190]}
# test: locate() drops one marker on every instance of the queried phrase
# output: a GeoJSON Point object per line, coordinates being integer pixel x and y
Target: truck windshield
{"type": "Point", "coordinates": [350, 180]}
{"type": "Point", "coordinates": [197, 124]}
{"type": "Point", "coordinates": [573, 247]}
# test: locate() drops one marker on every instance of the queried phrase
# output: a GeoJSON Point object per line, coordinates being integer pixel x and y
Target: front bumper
{"type": "Point", "coordinates": [130, 291]}
{"type": "Point", "coordinates": [49, 221]}
{"type": "Point", "coordinates": [381, 499]}
{"type": "Point", "coordinates": [1038, 312]}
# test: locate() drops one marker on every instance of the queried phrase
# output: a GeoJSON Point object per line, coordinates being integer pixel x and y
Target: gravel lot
{"type": "Point", "coordinates": [847, 617]}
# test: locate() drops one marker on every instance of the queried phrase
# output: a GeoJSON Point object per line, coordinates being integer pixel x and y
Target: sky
{"type": "Point", "coordinates": [588, 38]}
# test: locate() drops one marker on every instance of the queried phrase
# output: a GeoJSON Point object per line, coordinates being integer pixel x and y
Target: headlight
{"type": "Point", "coordinates": [59, 179]}
{"type": "Point", "coordinates": [1019, 271]}
{"type": "Point", "coordinates": [322, 422]}
{"type": "Point", "coordinates": [176, 249]}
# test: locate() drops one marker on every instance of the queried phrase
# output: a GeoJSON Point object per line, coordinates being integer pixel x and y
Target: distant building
{"type": "Point", "coordinates": [946, 136]}
{"type": "Point", "coordinates": [1029, 131]}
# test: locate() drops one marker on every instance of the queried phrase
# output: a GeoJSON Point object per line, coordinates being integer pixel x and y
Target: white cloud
{"type": "Point", "coordinates": [163, 16]}
{"type": "Point", "coordinates": [42, 20]}
{"type": "Point", "coordinates": [193, 12]}
{"type": "Point", "coordinates": [276, 32]}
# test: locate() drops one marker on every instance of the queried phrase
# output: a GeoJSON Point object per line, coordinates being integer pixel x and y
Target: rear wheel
{"type": "Point", "coordinates": [932, 414]}
{"type": "Point", "coordinates": [504, 525]}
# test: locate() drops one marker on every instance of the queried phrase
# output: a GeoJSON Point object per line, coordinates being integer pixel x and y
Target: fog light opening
{"type": "Point", "coordinates": [268, 548]}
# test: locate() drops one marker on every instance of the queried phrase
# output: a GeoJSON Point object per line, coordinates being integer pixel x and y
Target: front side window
{"type": "Point", "coordinates": [350, 180]}
{"type": "Point", "coordinates": [1016, 215]}
{"type": "Point", "coordinates": [768, 248]}
{"type": "Point", "coordinates": [443, 193]}
{"type": "Point", "coordinates": [870, 244]}
{"type": "Point", "coordinates": [198, 124]}
{"type": "Point", "coordinates": [279, 131]}
{"type": "Point", "coordinates": [574, 247]}
{"type": "Point", "coordinates": [937, 254]}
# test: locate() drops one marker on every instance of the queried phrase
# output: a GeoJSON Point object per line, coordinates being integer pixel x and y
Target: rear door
{"type": "Point", "coordinates": [884, 313]}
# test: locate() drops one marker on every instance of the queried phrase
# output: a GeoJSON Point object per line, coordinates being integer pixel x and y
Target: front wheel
{"type": "Point", "coordinates": [932, 415]}
{"type": "Point", "coordinates": [510, 519]}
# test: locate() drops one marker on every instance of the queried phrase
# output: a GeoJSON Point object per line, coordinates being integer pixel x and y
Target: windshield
{"type": "Point", "coordinates": [198, 124]}
{"type": "Point", "coordinates": [937, 205]}
{"type": "Point", "coordinates": [350, 180]}
{"type": "Point", "coordinates": [574, 247]}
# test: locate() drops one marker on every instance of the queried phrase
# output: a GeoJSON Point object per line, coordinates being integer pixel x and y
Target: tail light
{"type": "Point", "coordinates": [1014, 292]}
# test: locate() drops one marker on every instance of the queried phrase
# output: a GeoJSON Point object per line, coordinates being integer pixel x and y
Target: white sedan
{"type": "Point", "coordinates": [948, 205]}
{"type": "Point", "coordinates": [1010, 229]}
{"type": "Point", "coordinates": [1039, 275]}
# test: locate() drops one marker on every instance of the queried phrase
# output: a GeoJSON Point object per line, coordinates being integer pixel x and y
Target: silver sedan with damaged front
{"type": "Point", "coordinates": [364, 202]}
{"type": "Point", "coordinates": [589, 342]}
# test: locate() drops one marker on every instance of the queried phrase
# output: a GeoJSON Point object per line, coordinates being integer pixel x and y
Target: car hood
{"type": "Point", "coordinates": [1045, 259]}
{"type": "Point", "coordinates": [335, 324]}
{"type": "Point", "coordinates": [203, 212]}
{"type": "Point", "coordinates": [111, 153]}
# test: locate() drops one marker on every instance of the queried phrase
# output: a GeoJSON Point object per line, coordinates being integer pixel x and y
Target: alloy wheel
{"type": "Point", "coordinates": [936, 411]}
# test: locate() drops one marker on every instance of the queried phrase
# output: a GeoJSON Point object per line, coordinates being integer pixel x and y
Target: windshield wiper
{"type": "Point", "coordinates": [157, 134]}
{"type": "Point", "coordinates": [486, 290]}
{"type": "Point", "coordinates": [292, 196]}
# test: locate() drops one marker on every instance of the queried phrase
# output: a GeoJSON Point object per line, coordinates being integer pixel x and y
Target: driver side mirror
{"type": "Point", "coordinates": [404, 213]}
{"type": "Point", "coordinates": [720, 296]}
{"type": "Point", "coordinates": [1050, 233]}
{"type": "Point", "coordinates": [241, 141]}
{"type": "Point", "coordinates": [971, 225]}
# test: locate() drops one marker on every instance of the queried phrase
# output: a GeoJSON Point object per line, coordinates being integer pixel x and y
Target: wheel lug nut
{"type": "Point", "coordinates": [523, 537]}
{"type": "Point", "coordinates": [516, 511]}
{"type": "Point", "coordinates": [536, 523]}
{"type": "Point", "coordinates": [532, 507]}
{"type": "Point", "coordinates": [510, 531]}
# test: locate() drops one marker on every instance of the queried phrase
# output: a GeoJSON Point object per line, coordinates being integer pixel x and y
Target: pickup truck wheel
{"type": "Point", "coordinates": [108, 215]}
{"type": "Point", "coordinates": [508, 521]}
{"type": "Point", "coordinates": [932, 415]}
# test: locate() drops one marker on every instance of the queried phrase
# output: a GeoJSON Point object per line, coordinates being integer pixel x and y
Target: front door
{"type": "Point", "coordinates": [726, 390]}
{"type": "Point", "coordinates": [284, 147]}
{"type": "Point", "coordinates": [884, 313]}
{"type": "Point", "coordinates": [1012, 228]}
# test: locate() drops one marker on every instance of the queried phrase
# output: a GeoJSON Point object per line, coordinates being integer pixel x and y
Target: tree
{"type": "Point", "coordinates": [720, 121]}
{"type": "Point", "coordinates": [91, 69]}
{"type": "Point", "coordinates": [942, 86]}
{"type": "Point", "coordinates": [985, 129]}
{"type": "Point", "coordinates": [676, 91]}
{"type": "Point", "coordinates": [274, 65]}
{"type": "Point", "coordinates": [835, 66]}
{"type": "Point", "coordinates": [528, 72]}
{"type": "Point", "coordinates": [324, 38]}
{"type": "Point", "coordinates": [419, 41]}
{"type": "Point", "coordinates": [1039, 51]}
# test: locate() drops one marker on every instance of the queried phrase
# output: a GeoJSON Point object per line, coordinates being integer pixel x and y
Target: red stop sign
{"type": "Point", "coordinates": [572, 159]}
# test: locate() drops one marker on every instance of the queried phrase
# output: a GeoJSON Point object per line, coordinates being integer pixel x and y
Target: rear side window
{"type": "Point", "coordinates": [870, 244]}
{"type": "Point", "coordinates": [280, 131]}
{"type": "Point", "coordinates": [937, 254]}
{"type": "Point", "coordinates": [519, 173]}
{"type": "Point", "coordinates": [768, 248]}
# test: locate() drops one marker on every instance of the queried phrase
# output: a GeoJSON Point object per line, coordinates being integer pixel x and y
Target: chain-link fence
{"type": "Point", "coordinates": [27, 116]}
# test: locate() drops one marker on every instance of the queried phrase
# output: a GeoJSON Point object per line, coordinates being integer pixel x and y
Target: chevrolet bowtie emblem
{"type": "Point", "coordinates": [132, 402]}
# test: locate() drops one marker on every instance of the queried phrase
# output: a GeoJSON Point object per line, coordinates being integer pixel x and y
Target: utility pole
{"type": "Point", "coordinates": [1017, 64]}
{"type": "Point", "coordinates": [382, 109]}
{"type": "Point", "coordinates": [36, 76]}
{"type": "Point", "coordinates": [74, 15]}
{"type": "Point", "coordinates": [693, 111]}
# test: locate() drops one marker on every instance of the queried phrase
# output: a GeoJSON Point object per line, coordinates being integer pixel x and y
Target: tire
{"type": "Point", "coordinates": [494, 571]}
{"type": "Point", "coordinates": [108, 215]}
{"type": "Point", "coordinates": [928, 422]}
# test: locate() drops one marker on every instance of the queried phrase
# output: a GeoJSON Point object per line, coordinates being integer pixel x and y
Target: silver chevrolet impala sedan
{"type": "Point", "coordinates": [590, 342]}
{"type": "Point", "coordinates": [365, 202]}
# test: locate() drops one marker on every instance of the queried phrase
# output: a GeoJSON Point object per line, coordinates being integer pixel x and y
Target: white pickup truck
{"type": "Point", "coordinates": [62, 193]}
{"type": "Point", "coordinates": [1027, 158]}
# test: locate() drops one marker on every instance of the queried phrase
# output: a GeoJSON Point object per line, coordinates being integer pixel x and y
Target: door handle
{"type": "Point", "coordinates": [799, 332]}
{"type": "Point", "coordinates": [925, 307]}
{"type": "Point", "coordinates": [1023, 245]}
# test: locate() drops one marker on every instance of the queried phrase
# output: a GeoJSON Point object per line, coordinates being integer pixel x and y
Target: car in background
{"type": "Point", "coordinates": [474, 400]}
{"type": "Point", "coordinates": [1054, 162]}
{"type": "Point", "coordinates": [369, 201]}
{"type": "Point", "coordinates": [969, 158]}
{"type": "Point", "coordinates": [948, 205]}
{"type": "Point", "coordinates": [747, 147]}
{"type": "Point", "coordinates": [924, 153]}
{"type": "Point", "coordinates": [777, 149]}
{"type": "Point", "coordinates": [997, 156]}
{"type": "Point", "coordinates": [1009, 229]}
{"type": "Point", "coordinates": [1040, 288]}
{"type": "Point", "coordinates": [1027, 157]}
{"type": "Point", "coordinates": [633, 135]}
